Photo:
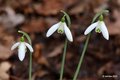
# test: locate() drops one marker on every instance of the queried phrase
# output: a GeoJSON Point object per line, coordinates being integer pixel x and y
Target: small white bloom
{"type": "Point", "coordinates": [61, 28]}
{"type": "Point", "coordinates": [99, 27]}
{"type": "Point", "coordinates": [22, 49]}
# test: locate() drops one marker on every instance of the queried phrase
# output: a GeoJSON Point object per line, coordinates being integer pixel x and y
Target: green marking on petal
{"type": "Point", "coordinates": [97, 30]}
{"type": "Point", "coordinates": [60, 31]}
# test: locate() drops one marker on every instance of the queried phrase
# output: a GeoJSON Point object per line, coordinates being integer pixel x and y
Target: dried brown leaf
{"type": "Point", "coordinates": [52, 7]}
{"type": "Point", "coordinates": [11, 19]}
{"type": "Point", "coordinates": [56, 51]}
{"type": "Point", "coordinates": [39, 57]}
{"type": "Point", "coordinates": [4, 67]}
{"type": "Point", "coordinates": [106, 67]}
{"type": "Point", "coordinates": [6, 41]}
{"type": "Point", "coordinates": [114, 27]}
{"type": "Point", "coordinates": [39, 73]}
{"type": "Point", "coordinates": [48, 8]}
{"type": "Point", "coordinates": [35, 25]}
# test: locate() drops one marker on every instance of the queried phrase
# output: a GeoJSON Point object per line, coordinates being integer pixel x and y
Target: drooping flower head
{"type": "Point", "coordinates": [99, 27]}
{"type": "Point", "coordinates": [22, 48]}
{"type": "Point", "coordinates": [61, 27]}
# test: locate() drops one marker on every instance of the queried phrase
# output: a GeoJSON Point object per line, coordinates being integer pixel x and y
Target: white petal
{"type": "Point", "coordinates": [90, 28]}
{"type": "Point", "coordinates": [104, 30]}
{"type": "Point", "coordinates": [29, 47]}
{"type": "Point", "coordinates": [21, 51]}
{"type": "Point", "coordinates": [15, 45]}
{"type": "Point", "coordinates": [53, 29]}
{"type": "Point", "coordinates": [68, 33]}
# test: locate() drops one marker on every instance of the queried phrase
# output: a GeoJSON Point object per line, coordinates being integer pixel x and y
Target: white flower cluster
{"type": "Point", "coordinates": [61, 27]}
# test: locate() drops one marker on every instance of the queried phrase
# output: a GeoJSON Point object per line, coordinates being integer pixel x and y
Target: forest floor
{"type": "Point", "coordinates": [36, 16]}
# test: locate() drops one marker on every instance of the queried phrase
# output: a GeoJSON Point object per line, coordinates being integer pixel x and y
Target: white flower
{"type": "Point", "coordinates": [22, 49]}
{"type": "Point", "coordinates": [61, 28]}
{"type": "Point", "coordinates": [99, 27]}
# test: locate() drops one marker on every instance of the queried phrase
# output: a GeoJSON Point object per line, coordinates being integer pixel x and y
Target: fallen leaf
{"type": "Point", "coordinates": [6, 41]}
{"type": "Point", "coordinates": [47, 7]}
{"type": "Point", "coordinates": [39, 26]}
{"type": "Point", "coordinates": [5, 53]}
{"type": "Point", "coordinates": [11, 19]}
{"type": "Point", "coordinates": [114, 27]}
{"type": "Point", "coordinates": [38, 56]}
{"type": "Point", "coordinates": [25, 2]}
{"type": "Point", "coordinates": [77, 9]}
{"type": "Point", "coordinates": [4, 67]}
{"type": "Point", "coordinates": [39, 73]}
{"type": "Point", "coordinates": [56, 51]}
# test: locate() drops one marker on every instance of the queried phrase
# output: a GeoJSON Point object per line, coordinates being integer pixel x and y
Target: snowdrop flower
{"type": "Point", "coordinates": [22, 48]}
{"type": "Point", "coordinates": [99, 27]}
{"type": "Point", "coordinates": [61, 28]}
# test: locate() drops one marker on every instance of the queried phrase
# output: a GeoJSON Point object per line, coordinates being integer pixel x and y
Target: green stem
{"type": "Point", "coordinates": [65, 45]}
{"type": "Point", "coordinates": [83, 52]}
{"type": "Point", "coordinates": [98, 14]}
{"type": "Point", "coordinates": [30, 67]}
{"type": "Point", "coordinates": [30, 60]}
{"type": "Point", "coordinates": [81, 58]}
{"type": "Point", "coordinates": [86, 44]}
{"type": "Point", "coordinates": [63, 60]}
{"type": "Point", "coordinates": [67, 17]}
